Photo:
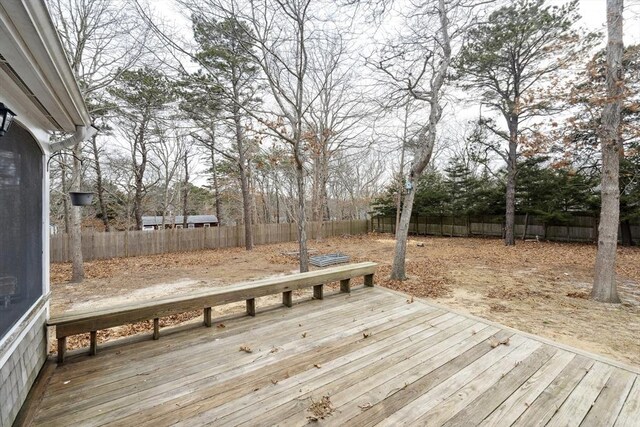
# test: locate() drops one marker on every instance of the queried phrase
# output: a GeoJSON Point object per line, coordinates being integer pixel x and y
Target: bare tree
{"type": "Point", "coordinates": [283, 41]}
{"type": "Point", "coordinates": [185, 188]}
{"type": "Point", "coordinates": [168, 153]}
{"type": "Point", "coordinates": [604, 286]}
{"type": "Point", "coordinates": [100, 40]}
{"type": "Point", "coordinates": [355, 180]}
{"type": "Point", "coordinates": [419, 66]}
{"type": "Point", "coordinates": [280, 33]}
{"type": "Point", "coordinates": [333, 124]}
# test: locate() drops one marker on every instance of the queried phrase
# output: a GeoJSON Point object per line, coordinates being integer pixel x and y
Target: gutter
{"type": "Point", "coordinates": [82, 133]}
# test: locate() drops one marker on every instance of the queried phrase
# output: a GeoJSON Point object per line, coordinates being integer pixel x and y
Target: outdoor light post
{"type": "Point", "coordinates": [6, 117]}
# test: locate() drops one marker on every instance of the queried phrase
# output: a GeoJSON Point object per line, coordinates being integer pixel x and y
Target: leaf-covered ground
{"type": "Point", "coordinates": [541, 288]}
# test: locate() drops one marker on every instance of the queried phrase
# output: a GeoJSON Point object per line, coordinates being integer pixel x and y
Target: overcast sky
{"type": "Point", "coordinates": [593, 14]}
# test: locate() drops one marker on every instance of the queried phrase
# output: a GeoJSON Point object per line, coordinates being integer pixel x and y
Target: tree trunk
{"type": "Point", "coordinates": [302, 219]}
{"type": "Point", "coordinates": [137, 203]}
{"type": "Point", "coordinates": [277, 205]}
{"type": "Point", "coordinates": [604, 286]}
{"type": "Point", "coordinates": [402, 235]}
{"type": "Point", "coordinates": [138, 189]}
{"type": "Point", "coordinates": [246, 209]}
{"type": "Point", "coordinates": [185, 194]}
{"type": "Point", "coordinates": [315, 201]}
{"type": "Point", "coordinates": [400, 185]}
{"type": "Point", "coordinates": [426, 141]}
{"type": "Point", "coordinates": [77, 264]}
{"type": "Point", "coordinates": [244, 181]}
{"type": "Point", "coordinates": [216, 188]}
{"type": "Point", "coordinates": [325, 197]}
{"type": "Point", "coordinates": [509, 234]}
{"type": "Point", "coordinates": [99, 185]}
{"type": "Point", "coordinates": [139, 168]}
{"type": "Point", "coordinates": [65, 198]}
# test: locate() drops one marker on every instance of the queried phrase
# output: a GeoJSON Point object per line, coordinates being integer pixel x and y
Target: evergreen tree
{"type": "Point", "coordinates": [143, 97]}
{"type": "Point", "coordinates": [433, 195]}
{"type": "Point", "coordinates": [507, 59]}
{"type": "Point", "coordinates": [225, 52]}
{"type": "Point", "coordinates": [554, 194]}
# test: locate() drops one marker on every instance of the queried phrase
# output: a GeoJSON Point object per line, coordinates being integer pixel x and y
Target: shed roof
{"type": "Point", "coordinates": [191, 219]}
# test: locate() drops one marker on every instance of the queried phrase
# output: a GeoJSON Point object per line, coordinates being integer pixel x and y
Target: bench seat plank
{"type": "Point", "coordinates": [77, 322]}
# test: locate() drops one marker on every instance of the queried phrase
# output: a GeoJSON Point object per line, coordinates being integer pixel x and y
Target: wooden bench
{"type": "Point", "coordinates": [78, 322]}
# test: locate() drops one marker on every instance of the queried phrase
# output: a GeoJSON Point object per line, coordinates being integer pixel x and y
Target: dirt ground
{"type": "Point", "coordinates": [541, 288]}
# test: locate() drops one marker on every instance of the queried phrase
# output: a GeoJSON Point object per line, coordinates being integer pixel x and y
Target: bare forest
{"type": "Point", "coordinates": [304, 112]}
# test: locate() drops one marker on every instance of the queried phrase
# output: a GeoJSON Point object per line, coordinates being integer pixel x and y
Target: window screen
{"type": "Point", "coordinates": [20, 225]}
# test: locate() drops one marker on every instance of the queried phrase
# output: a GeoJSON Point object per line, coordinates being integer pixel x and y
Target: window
{"type": "Point", "coordinates": [207, 225]}
{"type": "Point", "coordinates": [179, 226]}
{"type": "Point", "coordinates": [21, 224]}
{"type": "Point", "coordinates": [191, 225]}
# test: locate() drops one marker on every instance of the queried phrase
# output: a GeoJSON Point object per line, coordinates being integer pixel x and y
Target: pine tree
{"type": "Point", "coordinates": [507, 60]}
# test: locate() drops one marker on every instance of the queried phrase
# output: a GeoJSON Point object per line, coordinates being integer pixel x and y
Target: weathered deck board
{"type": "Point", "coordinates": [207, 341]}
{"type": "Point", "coordinates": [380, 359]}
{"type": "Point", "coordinates": [236, 388]}
{"type": "Point", "coordinates": [630, 413]}
{"type": "Point", "coordinates": [191, 372]}
{"type": "Point", "coordinates": [511, 409]}
{"type": "Point", "coordinates": [347, 376]}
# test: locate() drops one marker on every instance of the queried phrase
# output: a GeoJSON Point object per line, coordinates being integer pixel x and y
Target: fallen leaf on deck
{"type": "Point", "coordinates": [496, 342]}
{"type": "Point", "coordinates": [246, 349]}
{"type": "Point", "coordinates": [320, 410]}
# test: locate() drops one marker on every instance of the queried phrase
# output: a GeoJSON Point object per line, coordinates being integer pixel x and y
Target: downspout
{"type": "Point", "coordinates": [81, 134]}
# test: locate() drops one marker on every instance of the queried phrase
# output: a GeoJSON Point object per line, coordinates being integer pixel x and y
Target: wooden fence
{"type": "Point", "coordinates": [577, 229]}
{"type": "Point", "coordinates": [135, 243]}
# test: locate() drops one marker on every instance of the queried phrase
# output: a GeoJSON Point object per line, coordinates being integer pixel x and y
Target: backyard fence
{"type": "Point", "coordinates": [576, 229]}
{"type": "Point", "coordinates": [100, 245]}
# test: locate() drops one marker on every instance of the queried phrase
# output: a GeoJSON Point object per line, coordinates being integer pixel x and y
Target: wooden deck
{"type": "Point", "coordinates": [380, 359]}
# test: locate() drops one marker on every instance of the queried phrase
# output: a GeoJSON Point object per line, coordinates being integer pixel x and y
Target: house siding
{"type": "Point", "coordinates": [21, 358]}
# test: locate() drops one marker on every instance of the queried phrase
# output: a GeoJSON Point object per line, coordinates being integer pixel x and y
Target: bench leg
{"type": "Point", "coordinates": [251, 307]}
{"type": "Point", "coordinates": [368, 280]}
{"type": "Point", "coordinates": [93, 345]}
{"type": "Point", "coordinates": [287, 298]}
{"type": "Point", "coordinates": [156, 328]}
{"type": "Point", "coordinates": [317, 292]}
{"type": "Point", "coordinates": [345, 286]}
{"type": "Point", "coordinates": [62, 349]}
{"type": "Point", "coordinates": [207, 317]}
